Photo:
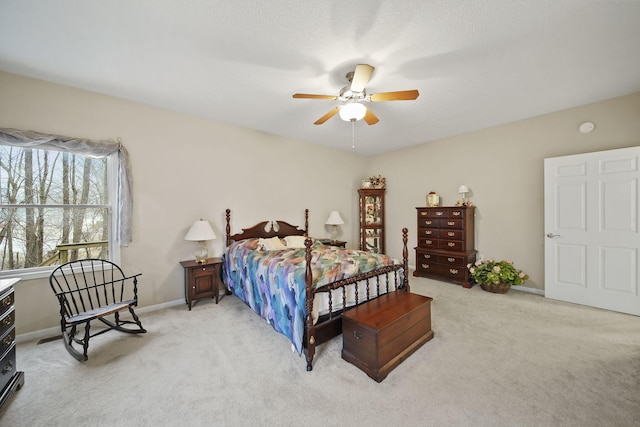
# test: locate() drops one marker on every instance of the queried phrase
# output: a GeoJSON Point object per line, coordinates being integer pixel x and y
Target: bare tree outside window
{"type": "Point", "coordinates": [54, 207]}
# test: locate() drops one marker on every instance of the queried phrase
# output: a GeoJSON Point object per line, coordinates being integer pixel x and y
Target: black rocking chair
{"type": "Point", "coordinates": [91, 289]}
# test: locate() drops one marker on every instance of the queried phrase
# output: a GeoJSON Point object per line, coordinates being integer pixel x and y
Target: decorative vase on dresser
{"type": "Point", "coordinates": [372, 219]}
{"type": "Point", "coordinates": [445, 243]}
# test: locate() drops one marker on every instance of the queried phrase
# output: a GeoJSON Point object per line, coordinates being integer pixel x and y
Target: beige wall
{"type": "Point", "coordinates": [503, 167]}
{"type": "Point", "coordinates": [186, 167]}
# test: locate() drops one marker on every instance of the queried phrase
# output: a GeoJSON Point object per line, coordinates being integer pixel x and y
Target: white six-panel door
{"type": "Point", "coordinates": [592, 242]}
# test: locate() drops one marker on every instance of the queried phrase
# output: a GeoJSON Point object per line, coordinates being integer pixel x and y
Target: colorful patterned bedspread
{"type": "Point", "coordinates": [272, 282]}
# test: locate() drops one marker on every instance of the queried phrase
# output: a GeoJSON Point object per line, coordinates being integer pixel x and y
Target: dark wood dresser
{"type": "Point", "coordinates": [445, 243]}
{"type": "Point", "coordinates": [379, 334]}
{"type": "Point", "coordinates": [10, 378]}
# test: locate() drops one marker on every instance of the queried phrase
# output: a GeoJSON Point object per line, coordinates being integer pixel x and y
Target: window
{"type": "Point", "coordinates": [54, 207]}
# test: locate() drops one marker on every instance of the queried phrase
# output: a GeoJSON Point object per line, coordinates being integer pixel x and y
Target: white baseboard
{"type": "Point", "coordinates": [55, 331]}
{"type": "Point", "coordinates": [517, 288]}
{"type": "Point", "coordinates": [530, 290]}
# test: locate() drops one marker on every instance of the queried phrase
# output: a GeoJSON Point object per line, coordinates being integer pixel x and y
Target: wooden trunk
{"type": "Point", "coordinates": [380, 334]}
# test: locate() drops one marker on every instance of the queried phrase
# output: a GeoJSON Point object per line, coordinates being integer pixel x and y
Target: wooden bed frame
{"type": "Point", "coordinates": [329, 325]}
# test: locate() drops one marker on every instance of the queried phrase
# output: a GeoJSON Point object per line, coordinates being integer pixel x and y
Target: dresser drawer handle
{"type": "Point", "coordinates": [439, 213]}
{"type": "Point", "coordinates": [451, 244]}
{"type": "Point", "coordinates": [8, 367]}
{"type": "Point", "coordinates": [451, 259]}
{"type": "Point", "coordinates": [451, 234]}
{"type": "Point", "coordinates": [427, 256]}
{"type": "Point", "coordinates": [453, 271]}
{"type": "Point", "coordinates": [428, 222]}
{"type": "Point", "coordinates": [428, 242]}
{"type": "Point", "coordinates": [8, 321]}
{"type": "Point", "coordinates": [428, 232]}
{"type": "Point", "coordinates": [456, 214]}
{"type": "Point", "coordinates": [356, 335]}
{"type": "Point", "coordinates": [425, 265]}
{"type": "Point", "coordinates": [423, 213]}
{"type": "Point", "coordinates": [7, 341]}
{"type": "Point", "coordinates": [451, 223]}
{"type": "Point", "coordinates": [6, 302]}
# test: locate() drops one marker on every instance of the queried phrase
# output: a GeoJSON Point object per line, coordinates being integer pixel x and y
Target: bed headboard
{"type": "Point", "coordinates": [266, 229]}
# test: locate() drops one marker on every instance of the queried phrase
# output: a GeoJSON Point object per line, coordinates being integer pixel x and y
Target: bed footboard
{"type": "Point", "coordinates": [377, 282]}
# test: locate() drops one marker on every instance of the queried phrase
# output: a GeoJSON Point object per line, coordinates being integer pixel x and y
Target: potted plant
{"type": "Point", "coordinates": [496, 276]}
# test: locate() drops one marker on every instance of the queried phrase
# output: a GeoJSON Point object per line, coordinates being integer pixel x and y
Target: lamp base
{"type": "Point", "coordinates": [334, 232]}
{"type": "Point", "coordinates": [202, 253]}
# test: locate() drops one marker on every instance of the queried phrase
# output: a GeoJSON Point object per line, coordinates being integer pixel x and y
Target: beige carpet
{"type": "Point", "coordinates": [496, 360]}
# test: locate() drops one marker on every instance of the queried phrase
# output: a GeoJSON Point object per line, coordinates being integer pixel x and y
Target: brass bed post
{"type": "Point", "coordinates": [310, 328]}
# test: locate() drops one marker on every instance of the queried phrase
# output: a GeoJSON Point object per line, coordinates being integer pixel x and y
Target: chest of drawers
{"type": "Point", "coordinates": [10, 379]}
{"type": "Point", "coordinates": [445, 243]}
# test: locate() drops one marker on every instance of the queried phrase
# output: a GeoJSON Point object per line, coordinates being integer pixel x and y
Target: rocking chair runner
{"type": "Point", "coordinates": [91, 289]}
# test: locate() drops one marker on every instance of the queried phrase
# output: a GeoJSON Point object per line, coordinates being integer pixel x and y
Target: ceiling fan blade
{"type": "Point", "coordinates": [403, 95]}
{"type": "Point", "coordinates": [311, 96]}
{"type": "Point", "coordinates": [361, 77]}
{"type": "Point", "coordinates": [327, 116]}
{"type": "Point", "coordinates": [371, 118]}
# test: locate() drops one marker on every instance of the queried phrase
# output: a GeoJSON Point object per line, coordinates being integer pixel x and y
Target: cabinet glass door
{"type": "Point", "coordinates": [373, 240]}
{"type": "Point", "coordinates": [373, 210]}
{"type": "Point", "coordinates": [372, 220]}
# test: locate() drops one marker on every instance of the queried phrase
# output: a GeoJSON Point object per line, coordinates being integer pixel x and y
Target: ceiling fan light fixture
{"type": "Point", "coordinates": [352, 111]}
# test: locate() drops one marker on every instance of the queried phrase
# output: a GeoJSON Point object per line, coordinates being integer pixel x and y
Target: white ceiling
{"type": "Point", "coordinates": [476, 63]}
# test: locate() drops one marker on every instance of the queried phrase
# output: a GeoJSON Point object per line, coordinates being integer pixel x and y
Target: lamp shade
{"type": "Point", "coordinates": [463, 189]}
{"type": "Point", "coordinates": [200, 230]}
{"type": "Point", "coordinates": [334, 219]}
{"type": "Point", "coordinates": [352, 111]}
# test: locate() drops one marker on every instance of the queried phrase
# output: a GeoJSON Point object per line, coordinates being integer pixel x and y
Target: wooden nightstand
{"type": "Point", "coordinates": [330, 242]}
{"type": "Point", "coordinates": [202, 280]}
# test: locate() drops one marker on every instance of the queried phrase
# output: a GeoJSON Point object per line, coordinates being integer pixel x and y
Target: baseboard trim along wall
{"type": "Point", "coordinates": [53, 333]}
{"type": "Point", "coordinates": [530, 290]}
{"type": "Point", "coordinates": [517, 288]}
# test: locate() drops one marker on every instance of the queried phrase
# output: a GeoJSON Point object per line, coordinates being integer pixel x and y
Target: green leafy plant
{"type": "Point", "coordinates": [489, 271]}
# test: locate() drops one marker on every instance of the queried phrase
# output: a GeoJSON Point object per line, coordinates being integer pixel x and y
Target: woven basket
{"type": "Point", "coordinates": [500, 288]}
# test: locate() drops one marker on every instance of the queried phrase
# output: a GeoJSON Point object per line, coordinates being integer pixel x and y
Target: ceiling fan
{"type": "Point", "coordinates": [354, 95]}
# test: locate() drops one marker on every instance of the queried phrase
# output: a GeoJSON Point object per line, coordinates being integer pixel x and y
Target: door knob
{"type": "Point", "coordinates": [551, 235]}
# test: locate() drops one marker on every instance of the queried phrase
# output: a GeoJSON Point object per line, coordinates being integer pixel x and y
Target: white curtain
{"type": "Point", "coordinates": [85, 147]}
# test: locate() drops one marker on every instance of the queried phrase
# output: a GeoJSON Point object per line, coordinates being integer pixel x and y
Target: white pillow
{"type": "Point", "coordinates": [271, 244]}
{"type": "Point", "coordinates": [295, 241]}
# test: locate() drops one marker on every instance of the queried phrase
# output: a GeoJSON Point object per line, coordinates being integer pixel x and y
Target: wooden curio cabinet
{"type": "Point", "coordinates": [372, 219]}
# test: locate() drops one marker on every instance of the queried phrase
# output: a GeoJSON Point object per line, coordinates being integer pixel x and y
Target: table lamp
{"type": "Point", "coordinates": [334, 220]}
{"type": "Point", "coordinates": [200, 232]}
{"type": "Point", "coordinates": [463, 189]}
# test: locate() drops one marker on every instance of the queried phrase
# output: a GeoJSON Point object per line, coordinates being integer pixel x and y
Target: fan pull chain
{"type": "Point", "coordinates": [353, 134]}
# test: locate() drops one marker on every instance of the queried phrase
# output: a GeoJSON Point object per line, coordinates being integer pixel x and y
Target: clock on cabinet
{"type": "Point", "coordinates": [372, 219]}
